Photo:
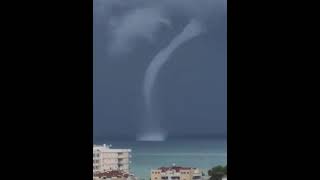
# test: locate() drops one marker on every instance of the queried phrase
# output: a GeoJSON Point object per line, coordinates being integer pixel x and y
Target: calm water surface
{"type": "Point", "coordinates": [204, 153]}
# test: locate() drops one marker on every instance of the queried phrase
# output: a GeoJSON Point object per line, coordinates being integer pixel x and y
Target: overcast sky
{"type": "Point", "coordinates": [191, 87]}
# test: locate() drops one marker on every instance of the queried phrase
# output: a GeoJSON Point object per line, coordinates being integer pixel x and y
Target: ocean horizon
{"type": "Point", "coordinates": [203, 153]}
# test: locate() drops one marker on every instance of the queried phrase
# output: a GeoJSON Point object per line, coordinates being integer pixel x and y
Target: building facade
{"type": "Point", "coordinates": [176, 173]}
{"type": "Point", "coordinates": [107, 159]}
{"type": "Point", "coordinates": [113, 175]}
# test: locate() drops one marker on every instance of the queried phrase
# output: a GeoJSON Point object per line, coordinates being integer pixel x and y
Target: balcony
{"type": "Point", "coordinates": [175, 177]}
{"type": "Point", "coordinates": [124, 156]}
{"type": "Point", "coordinates": [123, 161]}
{"type": "Point", "coordinates": [196, 177]}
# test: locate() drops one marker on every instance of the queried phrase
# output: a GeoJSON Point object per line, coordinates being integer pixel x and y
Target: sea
{"type": "Point", "coordinates": [187, 152]}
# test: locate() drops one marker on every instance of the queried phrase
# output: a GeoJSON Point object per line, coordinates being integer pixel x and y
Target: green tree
{"type": "Point", "coordinates": [216, 173]}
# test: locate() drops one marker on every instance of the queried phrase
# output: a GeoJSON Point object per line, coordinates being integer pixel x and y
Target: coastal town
{"type": "Point", "coordinates": [109, 163]}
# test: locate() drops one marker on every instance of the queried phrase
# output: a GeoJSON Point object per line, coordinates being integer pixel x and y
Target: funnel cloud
{"type": "Point", "coordinates": [151, 128]}
{"type": "Point", "coordinates": [133, 40]}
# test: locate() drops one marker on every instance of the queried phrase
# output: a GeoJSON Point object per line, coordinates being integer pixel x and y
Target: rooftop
{"type": "Point", "coordinates": [105, 148]}
{"type": "Point", "coordinates": [113, 173]}
{"type": "Point", "coordinates": [175, 168]}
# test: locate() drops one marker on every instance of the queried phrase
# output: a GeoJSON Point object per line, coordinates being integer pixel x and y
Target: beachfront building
{"type": "Point", "coordinates": [176, 173]}
{"type": "Point", "coordinates": [114, 175]}
{"type": "Point", "coordinates": [107, 159]}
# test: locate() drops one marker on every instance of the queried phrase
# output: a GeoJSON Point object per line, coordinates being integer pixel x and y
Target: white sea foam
{"type": "Point", "coordinates": [153, 136]}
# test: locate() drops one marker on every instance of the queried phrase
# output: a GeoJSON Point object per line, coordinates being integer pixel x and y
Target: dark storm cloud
{"type": "Point", "coordinates": [139, 24]}
{"type": "Point", "coordinates": [191, 89]}
{"type": "Point", "coordinates": [131, 20]}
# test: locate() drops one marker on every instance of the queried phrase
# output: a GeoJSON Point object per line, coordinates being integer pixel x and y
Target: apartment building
{"type": "Point", "coordinates": [114, 175]}
{"type": "Point", "coordinates": [176, 173]}
{"type": "Point", "coordinates": [108, 159]}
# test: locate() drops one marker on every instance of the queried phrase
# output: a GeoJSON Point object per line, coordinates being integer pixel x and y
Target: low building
{"type": "Point", "coordinates": [176, 173]}
{"type": "Point", "coordinates": [107, 159]}
{"type": "Point", "coordinates": [114, 175]}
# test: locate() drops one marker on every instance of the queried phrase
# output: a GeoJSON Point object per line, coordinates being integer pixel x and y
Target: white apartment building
{"type": "Point", "coordinates": [107, 159]}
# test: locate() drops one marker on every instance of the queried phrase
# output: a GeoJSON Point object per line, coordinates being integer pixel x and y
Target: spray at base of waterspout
{"type": "Point", "coordinates": [152, 136]}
